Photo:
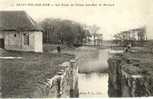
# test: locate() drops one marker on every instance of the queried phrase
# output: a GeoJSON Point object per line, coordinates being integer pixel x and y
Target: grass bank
{"type": "Point", "coordinates": [20, 77]}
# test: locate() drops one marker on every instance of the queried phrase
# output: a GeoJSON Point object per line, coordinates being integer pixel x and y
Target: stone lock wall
{"type": "Point", "coordinates": [127, 79]}
{"type": "Point", "coordinates": [114, 84]}
{"type": "Point", "coordinates": [64, 84]}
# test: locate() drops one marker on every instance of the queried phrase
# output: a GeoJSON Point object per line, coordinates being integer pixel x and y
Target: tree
{"type": "Point", "coordinates": [63, 31]}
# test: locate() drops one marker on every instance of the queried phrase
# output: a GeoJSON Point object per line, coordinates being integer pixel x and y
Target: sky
{"type": "Point", "coordinates": [119, 15]}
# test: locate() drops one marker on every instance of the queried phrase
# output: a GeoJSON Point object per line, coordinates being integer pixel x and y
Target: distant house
{"type": "Point", "coordinates": [135, 37]}
{"type": "Point", "coordinates": [20, 32]}
{"type": "Point", "coordinates": [95, 39]}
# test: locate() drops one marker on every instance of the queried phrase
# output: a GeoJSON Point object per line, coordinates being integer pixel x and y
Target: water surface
{"type": "Point", "coordinates": [93, 85]}
{"type": "Point", "coordinates": [93, 79]}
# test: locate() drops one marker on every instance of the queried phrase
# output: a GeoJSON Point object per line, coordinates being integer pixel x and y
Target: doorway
{"type": "Point", "coordinates": [1, 43]}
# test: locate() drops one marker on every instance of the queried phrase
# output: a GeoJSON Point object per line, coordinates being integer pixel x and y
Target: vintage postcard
{"type": "Point", "coordinates": [76, 48]}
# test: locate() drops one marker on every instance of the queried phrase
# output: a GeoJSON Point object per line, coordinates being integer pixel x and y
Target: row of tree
{"type": "Point", "coordinates": [58, 31]}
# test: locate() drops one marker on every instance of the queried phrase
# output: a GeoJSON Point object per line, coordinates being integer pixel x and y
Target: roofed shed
{"type": "Point", "coordinates": [20, 32]}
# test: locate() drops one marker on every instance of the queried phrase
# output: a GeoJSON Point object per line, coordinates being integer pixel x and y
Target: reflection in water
{"type": "Point", "coordinates": [93, 85]}
{"type": "Point", "coordinates": [94, 61]}
{"type": "Point", "coordinates": [92, 82]}
{"type": "Point", "coordinates": [92, 65]}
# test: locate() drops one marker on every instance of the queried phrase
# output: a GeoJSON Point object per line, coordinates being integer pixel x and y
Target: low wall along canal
{"type": "Point", "coordinates": [64, 84]}
{"type": "Point", "coordinates": [130, 74]}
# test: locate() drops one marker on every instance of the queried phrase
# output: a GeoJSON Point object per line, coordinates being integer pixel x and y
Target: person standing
{"type": "Point", "coordinates": [58, 49]}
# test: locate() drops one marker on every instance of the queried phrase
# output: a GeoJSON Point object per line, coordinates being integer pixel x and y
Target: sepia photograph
{"type": "Point", "coordinates": [76, 48]}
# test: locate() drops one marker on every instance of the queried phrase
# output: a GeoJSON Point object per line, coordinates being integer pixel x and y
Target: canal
{"type": "Point", "coordinates": [93, 77]}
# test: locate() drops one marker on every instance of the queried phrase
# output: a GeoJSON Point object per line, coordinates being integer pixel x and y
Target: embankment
{"type": "Point", "coordinates": [131, 74]}
{"type": "Point", "coordinates": [38, 75]}
{"type": "Point", "coordinates": [63, 84]}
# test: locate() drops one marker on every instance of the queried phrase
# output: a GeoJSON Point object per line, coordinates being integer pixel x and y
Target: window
{"type": "Point", "coordinates": [26, 38]}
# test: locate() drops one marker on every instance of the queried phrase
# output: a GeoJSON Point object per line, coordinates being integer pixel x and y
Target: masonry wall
{"type": "Point", "coordinates": [12, 40]}
{"type": "Point", "coordinates": [114, 82]}
{"type": "Point", "coordinates": [15, 41]}
{"type": "Point", "coordinates": [127, 78]}
{"type": "Point", "coordinates": [63, 84]}
{"type": "Point", "coordinates": [1, 35]}
{"type": "Point", "coordinates": [38, 42]}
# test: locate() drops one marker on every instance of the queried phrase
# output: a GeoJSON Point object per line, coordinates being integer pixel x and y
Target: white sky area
{"type": "Point", "coordinates": [124, 15]}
